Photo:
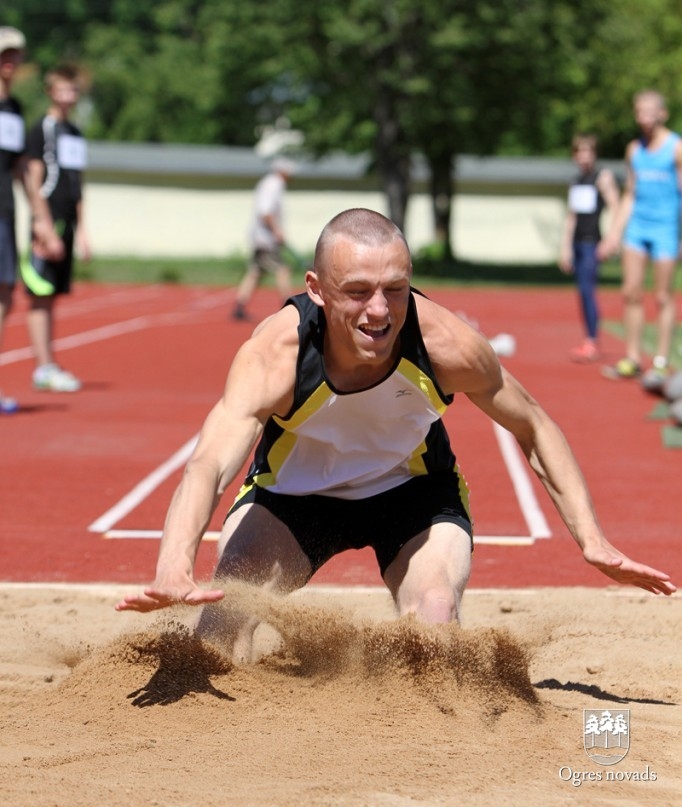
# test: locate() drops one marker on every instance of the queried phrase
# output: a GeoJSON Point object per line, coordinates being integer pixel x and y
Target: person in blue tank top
{"type": "Point", "coordinates": [592, 190]}
{"type": "Point", "coordinates": [341, 393]}
{"type": "Point", "coordinates": [649, 224]}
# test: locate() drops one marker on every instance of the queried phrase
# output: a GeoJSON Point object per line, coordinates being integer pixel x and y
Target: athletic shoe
{"type": "Point", "coordinates": [586, 353]}
{"type": "Point", "coordinates": [8, 406]}
{"type": "Point", "coordinates": [655, 377]}
{"type": "Point", "coordinates": [239, 313]}
{"type": "Point", "coordinates": [623, 368]}
{"type": "Point", "coordinates": [52, 378]}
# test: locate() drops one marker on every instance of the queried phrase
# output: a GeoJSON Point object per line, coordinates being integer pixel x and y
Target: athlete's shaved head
{"type": "Point", "coordinates": [360, 226]}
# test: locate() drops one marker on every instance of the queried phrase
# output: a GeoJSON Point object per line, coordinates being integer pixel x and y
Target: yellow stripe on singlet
{"type": "Point", "coordinates": [419, 378]}
{"type": "Point", "coordinates": [285, 443]}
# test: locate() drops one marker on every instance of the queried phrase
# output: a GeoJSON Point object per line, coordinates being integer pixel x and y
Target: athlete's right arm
{"type": "Point", "coordinates": [610, 245]}
{"type": "Point", "coordinates": [260, 383]}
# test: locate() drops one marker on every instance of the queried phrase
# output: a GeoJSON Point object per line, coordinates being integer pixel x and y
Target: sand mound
{"type": "Point", "coordinates": [344, 705]}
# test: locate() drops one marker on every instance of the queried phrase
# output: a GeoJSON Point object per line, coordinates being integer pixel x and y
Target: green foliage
{"type": "Point", "coordinates": [387, 77]}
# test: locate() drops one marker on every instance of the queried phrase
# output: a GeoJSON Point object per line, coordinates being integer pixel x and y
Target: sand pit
{"type": "Point", "coordinates": [345, 704]}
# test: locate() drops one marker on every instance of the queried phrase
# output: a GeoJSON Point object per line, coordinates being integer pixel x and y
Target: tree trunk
{"type": "Point", "coordinates": [441, 188]}
{"type": "Point", "coordinates": [393, 159]}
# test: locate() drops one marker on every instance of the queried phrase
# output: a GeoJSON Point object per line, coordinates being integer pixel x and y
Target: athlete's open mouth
{"type": "Point", "coordinates": [374, 331]}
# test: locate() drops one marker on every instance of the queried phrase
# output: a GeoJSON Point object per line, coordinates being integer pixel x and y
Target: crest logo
{"type": "Point", "coordinates": [606, 735]}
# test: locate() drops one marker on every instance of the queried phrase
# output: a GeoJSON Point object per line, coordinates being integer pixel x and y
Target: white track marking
{"type": "Point", "coordinates": [142, 490]}
{"type": "Point", "coordinates": [213, 535]}
{"type": "Point", "coordinates": [530, 508]}
{"type": "Point", "coordinates": [535, 519]}
{"type": "Point", "coordinates": [83, 338]}
{"type": "Point", "coordinates": [120, 328]}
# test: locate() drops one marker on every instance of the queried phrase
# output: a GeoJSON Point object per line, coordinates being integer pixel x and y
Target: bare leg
{"type": "Point", "coordinates": [634, 268]}
{"type": "Point", "coordinates": [40, 324]}
{"type": "Point", "coordinates": [664, 274]}
{"type": "Point", "coordinates": [430, 573]}
{"type": "Point", "coordinates": [283, 281]}
{"type": "Point", "coordinates": [257, 548]}
{"type": "Point", "coordinates": [248, 285]}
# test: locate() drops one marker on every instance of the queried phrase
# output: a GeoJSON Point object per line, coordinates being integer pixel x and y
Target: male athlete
{"type": "Point", "coordinates": [343, 390]}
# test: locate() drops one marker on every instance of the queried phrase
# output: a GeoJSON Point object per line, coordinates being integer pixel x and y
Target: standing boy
{"type": "Point", "coordinates": [649, 216]}
{"type": "Point", "coordinates": [592, 190]}
{"type": "Point", "coordinates": [56, 153]}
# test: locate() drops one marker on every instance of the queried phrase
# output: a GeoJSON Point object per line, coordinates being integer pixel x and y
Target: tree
{"type": "Point", "coordinates": [440, 78]}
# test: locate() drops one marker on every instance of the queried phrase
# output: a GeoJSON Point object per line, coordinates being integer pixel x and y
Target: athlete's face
{"type": "Point", "coordinates": [649, 113]}
{"type": "Point", "coordinates": [364, 291]}
{"type": "Point", "coordinates": [584, 157]}
{"type": "Point", "coordinates": [64, 93]}
{"type": "Point", "coordinates": [10, 59]}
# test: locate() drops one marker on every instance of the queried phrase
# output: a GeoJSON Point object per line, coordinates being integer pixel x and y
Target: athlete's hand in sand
{"type": "Point", "coordinates": [619, 567]}
{"type": "Point", "coordinates": [163, 594]}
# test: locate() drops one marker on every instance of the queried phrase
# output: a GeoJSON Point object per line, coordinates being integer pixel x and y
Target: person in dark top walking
{"type": "Point", "coordinates": [57, 156]}
{"type": "Point", "coordinates": [592, 190]}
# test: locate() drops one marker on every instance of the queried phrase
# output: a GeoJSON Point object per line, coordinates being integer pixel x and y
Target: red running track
{"type": "Point", "coordinates": [154, 359]}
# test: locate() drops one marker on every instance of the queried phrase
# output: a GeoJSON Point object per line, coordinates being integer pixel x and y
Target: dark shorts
{"type": "Point", "coordinates": [325, 526]}
{"type": "Point", "coordinates": [267, 261]}
{"type": "Point", "coordinates": [8, 253]}
{"type": "Point", "coordinates": [56, 273]}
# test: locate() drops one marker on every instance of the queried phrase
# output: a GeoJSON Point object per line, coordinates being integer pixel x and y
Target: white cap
{"type": "Point", "coordinates": [284, 165]}
{"type": "Point", "coordinates": [11, 39]}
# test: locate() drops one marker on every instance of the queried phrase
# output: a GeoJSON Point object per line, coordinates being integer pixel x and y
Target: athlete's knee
{"type": "Point", "coordinates": [663, 298]}
{"type": "Point", "coordinates": [434, 604]}
{"type": "Point", "coordinates": [632, 293]}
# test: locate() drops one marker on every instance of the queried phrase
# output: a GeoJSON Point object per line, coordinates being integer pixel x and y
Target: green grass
{"type": "Point", "coordinates": [427, 270]}
{"type": "Point", "coordinates": [228, 271]}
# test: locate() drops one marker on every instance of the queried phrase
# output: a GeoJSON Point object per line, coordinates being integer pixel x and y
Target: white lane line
{"type": "Point", "coordinates": [83, 338]}
{"type": "Point", "coordinates": [213, 535]}
{"type": "Point", "coordinates": [119, 328]}
{"type": "Point", "coordinates": [516, 466]}
{"type": "Point", "coordinates": [530, 508]}
{"type": "Point", "coordinates": [143, 489]}
{"type": "Point", "coordinates": [70, 307]}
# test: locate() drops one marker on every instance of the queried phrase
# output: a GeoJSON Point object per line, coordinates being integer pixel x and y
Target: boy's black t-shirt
{"type": "Point", "coordinates": [61, 147]}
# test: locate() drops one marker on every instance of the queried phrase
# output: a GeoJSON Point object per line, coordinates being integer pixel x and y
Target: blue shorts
{"type": "Point", "coordinates": [659, 241]}
{"type": "Point", "coordinates": [323, 526]}
{"type": "Point", "coordinates": [8, 253]}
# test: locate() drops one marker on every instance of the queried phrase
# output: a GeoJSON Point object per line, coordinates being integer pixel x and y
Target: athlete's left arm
{"type": "Point", "coordinates": [465, 362]}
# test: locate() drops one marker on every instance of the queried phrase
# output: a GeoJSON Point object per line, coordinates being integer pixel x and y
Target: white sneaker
{"type": "Point", "coordinates": [51, 377]}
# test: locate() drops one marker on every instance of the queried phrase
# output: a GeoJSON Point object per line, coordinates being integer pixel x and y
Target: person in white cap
{"type": "Point", "coordinates": [267, 236]}
{"type": "Point", "coordinates": [13, 166]}
{"type": "Point", "coordinates": [12, 44]}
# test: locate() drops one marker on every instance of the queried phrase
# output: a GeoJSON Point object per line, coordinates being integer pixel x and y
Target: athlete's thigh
{"type": "Point", "coordinates": [634, 262]}
{"type": "Point", "coordinates": [664, 274]}
{"type": "Point", "coordinates": [438, 557]}
{"type": "Point", "coordinates": [257, 547]}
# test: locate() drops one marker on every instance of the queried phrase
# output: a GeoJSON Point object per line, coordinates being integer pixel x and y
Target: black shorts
{"type": "Point", "coordinates": [325, 526]}
{"type": "Point", "coordinates": [57, 273]}
{"type": "Point", "coordinates": [268, 261]}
